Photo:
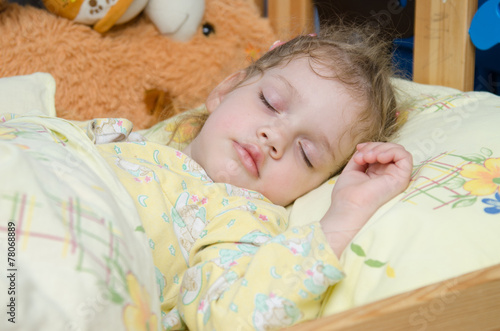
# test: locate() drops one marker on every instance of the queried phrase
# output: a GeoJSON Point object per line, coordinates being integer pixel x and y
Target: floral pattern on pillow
{"type": "Point", "coordinates": [458, 181]}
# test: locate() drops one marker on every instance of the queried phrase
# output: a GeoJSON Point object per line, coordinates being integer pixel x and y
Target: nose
{"type": "Point", "coordinates": [275, 139]}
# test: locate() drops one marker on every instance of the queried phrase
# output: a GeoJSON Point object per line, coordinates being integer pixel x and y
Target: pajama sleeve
{"type": "Point", "coordinates": [244, 276]}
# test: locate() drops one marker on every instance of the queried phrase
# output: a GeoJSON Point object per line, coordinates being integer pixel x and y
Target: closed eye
{"type": "Point", "coordinates": [304, 156]}
{"type": "Point", "coordinates": [265, 102]}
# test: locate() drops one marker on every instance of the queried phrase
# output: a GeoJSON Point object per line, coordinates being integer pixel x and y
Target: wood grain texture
{"type": "Point", "coordinates": [443, 53]}
{"type": "Point", "coordinates": [291, 17]}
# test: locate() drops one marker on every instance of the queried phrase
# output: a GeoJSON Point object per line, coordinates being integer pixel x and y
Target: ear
{"type": "Point", "coordinates": [227, 85]}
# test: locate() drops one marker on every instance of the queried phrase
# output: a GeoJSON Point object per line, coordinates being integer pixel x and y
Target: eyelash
{"type": "Point", "coordinates": [265, 102]}
{"type": "Point", "coordinates": [304, 156]}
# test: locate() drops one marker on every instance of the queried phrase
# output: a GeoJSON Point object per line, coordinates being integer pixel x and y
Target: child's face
{"type": "Point", "coordinates": [281, 134]}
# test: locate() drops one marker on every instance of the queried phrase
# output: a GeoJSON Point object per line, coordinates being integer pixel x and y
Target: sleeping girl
{"type": "Point", "coordinates": [310, 108]}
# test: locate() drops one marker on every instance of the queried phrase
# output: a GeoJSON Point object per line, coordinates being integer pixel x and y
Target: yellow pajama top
{"type": "Point", "coordinates": [225, 257]}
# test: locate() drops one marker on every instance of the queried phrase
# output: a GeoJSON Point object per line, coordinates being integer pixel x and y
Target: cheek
{"type": "Point", "coordinates": [287, 180]}
{"type": "Point", "coordinates": [296, 181]}
{"type": "Point", "coordinates": [230, 120]}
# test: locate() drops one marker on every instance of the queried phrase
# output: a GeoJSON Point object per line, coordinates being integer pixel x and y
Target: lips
{"type": "Point", "coordinates": [250, 157]}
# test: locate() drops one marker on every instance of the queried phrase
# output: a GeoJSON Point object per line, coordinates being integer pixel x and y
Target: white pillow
{"type": "Point", "coordinates": [28, 94]}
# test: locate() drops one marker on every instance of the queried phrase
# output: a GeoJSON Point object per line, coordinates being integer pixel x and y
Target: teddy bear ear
{"type": "Point", "coordinates": [177, 19]}
{"type": "Point", "coordinates": [160, 104]}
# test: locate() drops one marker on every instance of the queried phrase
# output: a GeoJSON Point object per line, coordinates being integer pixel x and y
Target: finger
{"type": "Point", "coordinates": [360, 145]}
{"type": "Point", "coordinates": [368, 152]}
{"type": "Point", "coordinates": [396, 155]}
{"type": "Point", "coordinates": [390, 154]}
{"type": "Point", "coordinates": [375, 146]}
{"type": "Point", "coordinates": [356, 163]}
{"type": "Point", "coordinates": [382, 153]}
{"type": "Point", "coordinates": [363, 149]}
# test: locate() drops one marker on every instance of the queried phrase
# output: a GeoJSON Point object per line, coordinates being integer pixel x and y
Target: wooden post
{"type": "Point", "coordinates": [290, 18]}
{"type": "Point", "coordinates": [443, 53]}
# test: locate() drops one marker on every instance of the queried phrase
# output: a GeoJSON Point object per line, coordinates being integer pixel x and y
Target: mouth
{"type": "Point", "coordinates": [249, 156]}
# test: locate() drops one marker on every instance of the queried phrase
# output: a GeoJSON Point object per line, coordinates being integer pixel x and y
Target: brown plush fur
{"type": "Point", "coordinates": [108, 76]}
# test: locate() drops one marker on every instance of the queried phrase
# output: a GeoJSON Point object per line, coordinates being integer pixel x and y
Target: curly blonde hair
{"type": "Point", "coordinates": [360, 58]}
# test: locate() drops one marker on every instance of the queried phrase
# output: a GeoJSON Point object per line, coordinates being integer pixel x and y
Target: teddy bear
{"type": "Point", "coordinates": [175, 18]}
{"type": "Point", "coordinates": [133, 70]}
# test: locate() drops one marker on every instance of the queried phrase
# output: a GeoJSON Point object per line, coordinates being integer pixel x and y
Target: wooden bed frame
{"type": "Point", "coordinates": [443, 55]}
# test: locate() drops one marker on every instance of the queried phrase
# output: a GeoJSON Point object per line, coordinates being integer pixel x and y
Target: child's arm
{"type": "Point", "coordinates": [376, 173]}
{"type": "Point", "coordinates": [247, 274]}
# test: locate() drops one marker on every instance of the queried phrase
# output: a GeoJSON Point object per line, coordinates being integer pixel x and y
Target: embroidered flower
{"type": "Point", "coordinates": [138, 315]}
{"type": "Point", "coordinates": [202, 305]}
{"type": "Point", "coordinates": [495, 204]}
{"type": "Point", "coordinates": [263, 218]}
{"type": "Point", "coordinates": [485, 179]}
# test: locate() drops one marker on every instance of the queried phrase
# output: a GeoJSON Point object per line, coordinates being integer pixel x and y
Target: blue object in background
{"type": "Point", "coordinates": [485, 35]}
{"type": "Point", "coordinates": [402, 58]}
{"type": "Point", "coordinates": [484, 30]}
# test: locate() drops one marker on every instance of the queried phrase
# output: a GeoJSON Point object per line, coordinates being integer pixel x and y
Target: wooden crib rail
{"type": "Point", "coordinates": [289, 18]}
{"type": "Point", "coordinates": [467, 302]}
{"type": "Point", "coordinates": [443, 53]}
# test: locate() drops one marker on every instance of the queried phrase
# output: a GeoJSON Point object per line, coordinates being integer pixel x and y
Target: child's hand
{"type": "Point", "coordinates": [376, 173]}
